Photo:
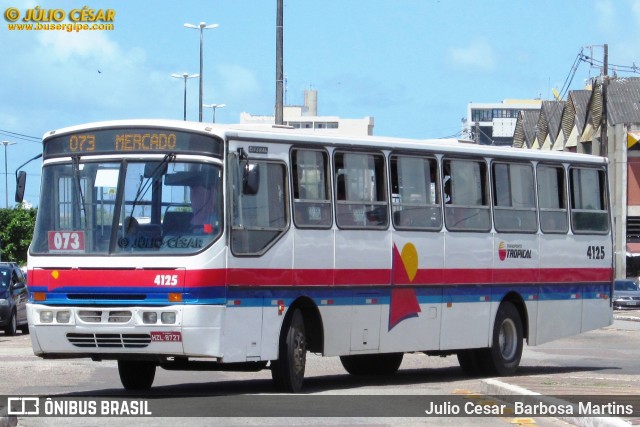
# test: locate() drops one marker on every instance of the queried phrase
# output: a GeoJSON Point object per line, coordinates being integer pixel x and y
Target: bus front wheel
{"type": "Point", "coordinates": [136, 374]}
{"type": "Point", "coordinates": [288, 371]}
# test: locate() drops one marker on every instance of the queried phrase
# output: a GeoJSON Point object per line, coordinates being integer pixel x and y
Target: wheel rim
{"type": "Point", "coordinates": [508, 339]}
{"type": "Point", "coordinates": [299, 353]}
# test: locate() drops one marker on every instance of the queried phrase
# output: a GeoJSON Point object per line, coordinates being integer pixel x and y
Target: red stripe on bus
{"type": "Point", "coordinates": [54, 279]}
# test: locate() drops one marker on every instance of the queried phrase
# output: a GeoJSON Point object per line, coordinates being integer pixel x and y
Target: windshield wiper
{"type": "Point", "coordinates": [157, 172]}
{"type": "Point", "coordinates": [75, 164]}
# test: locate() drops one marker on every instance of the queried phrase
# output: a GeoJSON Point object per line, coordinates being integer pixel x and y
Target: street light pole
{"type": "Point", "coordinates": [185, 76]}
{"type": "Point", "coordinates": [6, 179]}
{"type": "Point", "coordinates": [214, 106]}
{"type": "Point", "coordinates": [202, 26]}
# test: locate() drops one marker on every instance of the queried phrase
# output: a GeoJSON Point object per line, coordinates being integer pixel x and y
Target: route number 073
{"type": "Point", "coordinates": [166, 280]}
{"type": "Point", "coordinates": [595, 252]}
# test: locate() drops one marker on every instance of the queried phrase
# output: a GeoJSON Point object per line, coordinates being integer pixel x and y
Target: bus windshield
{"type": "Point", "coordinates": [124, 207]}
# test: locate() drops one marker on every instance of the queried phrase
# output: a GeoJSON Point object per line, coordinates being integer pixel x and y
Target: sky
{"type": "Point", "coordinates": [412, 65]}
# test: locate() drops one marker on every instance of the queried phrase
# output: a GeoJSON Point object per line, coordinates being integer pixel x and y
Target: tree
{"type": "Point", "coordinates": [16, 232]}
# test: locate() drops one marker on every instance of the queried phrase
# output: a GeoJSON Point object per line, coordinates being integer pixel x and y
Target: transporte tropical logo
{"type": "Point", "coordinates": [513, 251]}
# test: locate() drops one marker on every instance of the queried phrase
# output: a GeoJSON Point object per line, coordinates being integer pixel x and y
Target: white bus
{"type": "Point", "coordinates": [192, 246]}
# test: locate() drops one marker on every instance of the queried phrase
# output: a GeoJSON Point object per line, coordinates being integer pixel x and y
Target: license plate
{"type": "Point", "coordinates": [166, 336]}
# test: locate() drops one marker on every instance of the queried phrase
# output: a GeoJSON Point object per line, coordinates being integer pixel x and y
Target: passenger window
{"type": "Point", "coordinates": [552, 199]}
{"type": "Point", "coordinates": [514, 198]}
{"type": "Point", "coordinates": [466, 196]}
{"type": "Point", "coordinates": [311, 195]}
{"type": "Point", "coordinates": [361, 200]}
{"type": "Point", "coordinates": [589, 212]}
{"type": "Point", "coordinates": [415, 193]}
{"type": "Point", "coordinates": [259, 218]}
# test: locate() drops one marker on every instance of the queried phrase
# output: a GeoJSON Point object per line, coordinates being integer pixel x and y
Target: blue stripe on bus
{"type": "Point", "coordinates": [327, 296]}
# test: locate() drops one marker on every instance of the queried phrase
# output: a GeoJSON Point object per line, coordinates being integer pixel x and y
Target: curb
{"type": "Point", "coordinates": [494, 387]}
{"type": "Point", "coordinates": [627, 318]}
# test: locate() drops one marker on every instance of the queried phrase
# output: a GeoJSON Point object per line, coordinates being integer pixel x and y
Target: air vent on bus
{"type": "Point", "coordinates": [96, 316]}
{"type": "Point", "coordinates": [109, 340]}
{"type": "Point", "coordinates": [119, 297]}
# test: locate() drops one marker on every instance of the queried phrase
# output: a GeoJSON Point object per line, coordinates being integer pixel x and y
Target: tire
{"type": "Point", "coordinates": [11, 327]}
{"type": "Point", "coordinates": [24, 329]}
{"type": "Point", "coordinates": [471, 362]}
{"type": "Point", "coordinates": [503, 357]}
{"type": "Point", "coordinates": [288, 371]}
{"type": "Point", "coordinates": [372, 364]}
{"type": "Point", "coordinates": [136, 374]}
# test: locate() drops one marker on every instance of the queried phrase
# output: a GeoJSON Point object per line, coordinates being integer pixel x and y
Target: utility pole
{"type": "Point", "coordinates": [279, 64]}
{"type": "Point", "coordinates": [603, 123]}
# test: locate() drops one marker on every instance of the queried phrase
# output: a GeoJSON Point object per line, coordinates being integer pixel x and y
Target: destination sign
{"type": "Point", "coordinates": [132, 140]}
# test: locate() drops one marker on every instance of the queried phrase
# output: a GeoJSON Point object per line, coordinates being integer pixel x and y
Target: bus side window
{"type": "Point", "coordinates": [311, 191]}
{"type": "Point", "coordinates": [552, 199]}
{"type": "Point", "coordinates": [416, 194]}
{"type": "Point", "coordinates": [361, 200]}
{"type": "Point", "coordinates": [467, 203]}
{"type": "Point", "coordinates": [514, 198]}
{"type": "Point", "coordinates": [260, 219]}
{"type": "Point", "coordinates": [589, 211]}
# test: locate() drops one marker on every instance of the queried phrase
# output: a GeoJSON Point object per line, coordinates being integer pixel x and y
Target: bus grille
{"type": "Point", "coordinates": [109, 340]}
{"type": "Point", "coordinates": [113, 316]}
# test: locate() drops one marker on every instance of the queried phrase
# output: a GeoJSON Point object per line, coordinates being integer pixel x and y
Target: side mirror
{"type": "Point", "coordinates": [251, 179]}
{"type": "Point", "coordinates": [21, 182]}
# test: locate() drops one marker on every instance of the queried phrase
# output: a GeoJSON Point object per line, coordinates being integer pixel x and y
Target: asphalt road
{"type": "Point", "coordinates": [604, 360]}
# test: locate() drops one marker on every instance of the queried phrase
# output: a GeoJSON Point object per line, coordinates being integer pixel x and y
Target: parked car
{"type": "Point", "coordinates": [13, 299]}
{"type": "Point", "coordinates": [626, 294]}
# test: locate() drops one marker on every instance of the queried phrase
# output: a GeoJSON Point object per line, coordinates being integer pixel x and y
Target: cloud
{"type": "Point", "coordinates": [478, 55]}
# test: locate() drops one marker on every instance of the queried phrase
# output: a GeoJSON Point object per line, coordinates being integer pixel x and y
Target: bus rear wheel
{"type": "Point", "coordinates": [288, 371]}
{"type": "Point", "coordinates": [372, 364]}
{"type": "Point", "coordinates": [136, 374]}
{"type": "Point", "coordinates": [503, 357]}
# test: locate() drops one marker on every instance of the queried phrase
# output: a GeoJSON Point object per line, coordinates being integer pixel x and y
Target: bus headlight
{"type": "Point", "coordinates": [46, 316]}
{"type": "Point", "coordinates": [150, 317]}
{"type": "Point", "coordinates": [4, 301]}
{"type": "Point", "coordinates": [62, 316]}
{"type": "Point", "coordinates": [168, 317]}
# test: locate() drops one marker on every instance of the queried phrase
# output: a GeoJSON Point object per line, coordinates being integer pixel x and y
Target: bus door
{"type": "Point", "coordinates": [363, 242]}
{"type": "Point", "coordinates": [259, 263]}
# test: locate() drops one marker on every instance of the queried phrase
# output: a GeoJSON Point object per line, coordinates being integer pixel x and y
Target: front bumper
{"type": "Point", "coordinates": [58, 332]}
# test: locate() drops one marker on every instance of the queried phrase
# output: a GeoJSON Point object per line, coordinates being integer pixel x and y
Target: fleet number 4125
{"type": "Point", "coordinates": [166, 280]}
{"type": "Point", "coordinates": [595, 252]}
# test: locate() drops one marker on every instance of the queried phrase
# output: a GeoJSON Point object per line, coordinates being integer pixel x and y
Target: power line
{"type": "Point", "coordinates": [596, 62]}
{"type": "Point", "coordinates": [20, 136]}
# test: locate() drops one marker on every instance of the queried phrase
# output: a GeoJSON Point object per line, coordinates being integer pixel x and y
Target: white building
{"type": "Point", "coordinates": [306, 117]}
{"type": "Point", "coordinates": [494, 123]}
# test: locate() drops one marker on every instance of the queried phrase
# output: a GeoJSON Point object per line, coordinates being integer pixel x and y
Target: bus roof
{"type": "Point", "coordinates": [272, 133]}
